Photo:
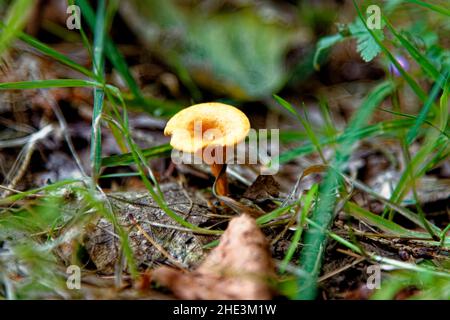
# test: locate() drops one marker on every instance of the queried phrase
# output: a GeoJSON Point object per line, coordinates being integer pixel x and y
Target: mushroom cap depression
{"type": "Point", "coordinates": [207, 124]}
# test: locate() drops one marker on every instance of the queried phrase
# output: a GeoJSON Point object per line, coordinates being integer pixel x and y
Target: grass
{"type": "Point", "coordinates": [315, 240]}
{"type": "Point", "coordinates": [309, 131]}
{"type": "Point", "coordinates": [52, 53]}
{"type": "Point", "coordinates": [323, 213]}
{"type": "Point", "coordinates": [421, 162]}
{"type": "Point", "coordinates": [301, 222]}
{"type": "Point", "coordinates": [101, 89]}
{"type": "Point", "coordinates": [98, 69]}
{"type": "Point", "coordinates": [15, 20]}
{"type": "Point", "coordinates": [434, 7]}
{"type": "Point", "coordinates": [314, 212]}
{"type": "Point", "coordinates": [118, 61]}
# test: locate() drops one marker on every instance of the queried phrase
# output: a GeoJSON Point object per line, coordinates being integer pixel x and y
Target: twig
{"type": "Point", "coordinates": [339, 270]}
{"type": "Point", "coordinates": [36, 74]}
{"type": "Point", "coordinates": [10, 189]}
{"type": "Point", "coordinates": [28, 149]}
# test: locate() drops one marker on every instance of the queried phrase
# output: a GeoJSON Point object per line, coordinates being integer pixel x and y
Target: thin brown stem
{"type": "Point", "coordinates": [221, 183]}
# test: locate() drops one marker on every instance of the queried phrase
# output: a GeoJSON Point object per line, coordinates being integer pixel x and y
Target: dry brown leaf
{"type": "Point", "coordinates": [263, 188]}
{"type": "Point", "coordinates": [238, 268]}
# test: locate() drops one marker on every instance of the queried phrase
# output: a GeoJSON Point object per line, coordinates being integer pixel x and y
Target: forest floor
{"type": "Point", "coordinates": [358, 208]}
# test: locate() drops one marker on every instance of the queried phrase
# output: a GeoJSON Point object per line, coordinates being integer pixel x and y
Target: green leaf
{"type": "Point", "coordinates": [365, 43]}
{"type": "Point", "coordinates": [323, 45]}
{"type": "Point", "coordinates": [412, 83]}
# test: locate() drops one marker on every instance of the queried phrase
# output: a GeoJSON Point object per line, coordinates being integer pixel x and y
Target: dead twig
{"type": "Point", "coordinates": [18, 170]}
{"type": "Point", "coordinates": [339, 270]}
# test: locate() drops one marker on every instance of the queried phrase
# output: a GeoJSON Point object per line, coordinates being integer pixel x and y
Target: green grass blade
{"type": "Point", "coordinates": [385, 225]}
{"type": "Point", "coordinates": [380, 259]}
{"type": "Point", "coordinates": [426, 121]}
{"type": "Point", "coordinates": [51, 83]}
{"type": "Point", "coordinates": [300, 225]}
{"type": "Point", "coordinates": [374, 220]}
{"type": "Point", "coordinates": [311, 134]}
{"type": "Point", "coordinates": [381, 128]}
{"type": "Point", "coordinates": [431, 6]}
{"type": "Point", "coordinates": [119, 175]}
{"type": "Point", "coordinates": [421, 60]}
{"type": "Point", "coordinates": [98, 69]}
{"type": "Point", "coordinates": [408, 214]}
{"type": "Point", "coordinates": [323, 213]}
{"type": "Point", "coordinates": [330, 129]}
{"type": "Point", "coordinates": [113, 54]}
{"type": "Point", "coordinates": [15, 21]}
{"type": "Point", "coordinates": [128, 159]}
{"type": "Point", "coordinates": [51, 187]}
{"type": "Point", "coordinates": [274, 214]}
{"type": "Point", "coordinates": [52, 53]}
{"type": "Point", "coordinates": [111, 51]}
{"type": "Point", "coordinates": [433, 140]}
{"type": "Point", "coordinates": [412, 134]}
{"type": "Point", "coordinates": [84, 37]}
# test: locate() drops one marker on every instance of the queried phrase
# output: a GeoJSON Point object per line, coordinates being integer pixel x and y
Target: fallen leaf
{"type": "Point", "coordinates": [264, 187]}
{"type": "Point", "coordinates": [240, 267]}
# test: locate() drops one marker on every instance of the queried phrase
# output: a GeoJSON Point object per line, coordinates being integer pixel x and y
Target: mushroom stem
{"type": "Point", "coordinates": [221, 183]}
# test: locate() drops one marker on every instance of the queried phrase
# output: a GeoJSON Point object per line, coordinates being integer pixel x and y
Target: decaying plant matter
{"type": "Point", "coordinates": [240, 267]}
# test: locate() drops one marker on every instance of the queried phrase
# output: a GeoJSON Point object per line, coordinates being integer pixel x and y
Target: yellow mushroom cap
{"type": "Point", "coordinates": [207, 124]}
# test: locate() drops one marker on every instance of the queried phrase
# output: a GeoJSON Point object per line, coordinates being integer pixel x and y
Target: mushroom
{"type": "Point", "coordinates": [208, 130]}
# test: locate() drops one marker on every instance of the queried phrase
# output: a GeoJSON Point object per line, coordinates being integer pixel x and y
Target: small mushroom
{"type": "Point", "coordinates": [207, 130]}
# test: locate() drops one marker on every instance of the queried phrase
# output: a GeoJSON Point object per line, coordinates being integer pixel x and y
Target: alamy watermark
{"type": "Point", "coordinates": [373, 17]}
{"type": "Point", "coordinates": [73, 281]}
{"type": "Point", "coordinates": [374, 277]}
{"type": "Point", "coordinates": [216, 147]}
{"type": "Point", "coordinates": [373, 20]}
{"type": "Point", "coordinates": [74, 19]}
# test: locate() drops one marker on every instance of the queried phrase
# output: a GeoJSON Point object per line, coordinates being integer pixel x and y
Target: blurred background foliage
{"type": "Point", "coordinates": [240, 52]}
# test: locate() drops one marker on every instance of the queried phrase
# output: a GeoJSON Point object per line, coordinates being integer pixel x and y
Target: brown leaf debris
{"type": "Point", "coordinates": [238, 268]}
